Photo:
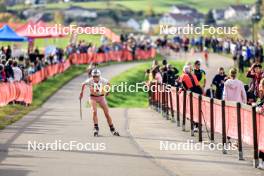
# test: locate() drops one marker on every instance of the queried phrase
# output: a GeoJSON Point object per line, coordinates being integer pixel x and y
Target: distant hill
{"type": "Point", "coordinates": [158, 6]}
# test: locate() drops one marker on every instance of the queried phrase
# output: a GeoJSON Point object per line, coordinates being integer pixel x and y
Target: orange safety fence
{"type": "Point", "coordinates": [123, 55]}
{"type": "Point", "coordinates": [22, 92]}
{"type": "Point", "coordinates": [48, 71]}
{"type": "Point", "coordinates": [206, 113]}
{"type": "Point", "coordinates": [247, 126]}
{"type": "Point", "coordinates": [260, 128]}
{"type": "Point", "coordinates": [17, 91]}
{"type": "Point", "coordinates": [230, 112]}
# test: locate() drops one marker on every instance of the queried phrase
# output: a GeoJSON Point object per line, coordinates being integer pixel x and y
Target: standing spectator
{"type": "Point", "coordinates": [148, 76]}
{"type": "Point", "coordinates": [17, 72]}
{"type": "Point", "coordinates": [9, 70]}
{"type": "Point", "coordinates": [240, 62]}
{"type": "Point", "coordinates": [233, 50]}
{"type": "Point", "coordinates": [234, 89]}
{"type": "Point", "coordinates": [206, 56]}
{"type": "Point", "coordinates": [186, 43]}
{"type": "Point", "coordinates": [2, 73]}
{"type": "Point", "coordinates": [259, 53]}
{"type": "Point", "coordinates": [200, 74]}
{"type": "Point", "coordinates": [154, 64]}
{"type": "Point", "coordinates": [218, 82]}
{"type": "Point", "coordinates": [164, 65]}
{"type": "Point", "coordinates": [2, 52]}
{"type": "Point", "coordinates": [256, 74]}
{"type": "Point", "coordinates": [260, 109]}
{"type": "Point", "coordinates": [189, 80]}
{"type": "Point", "coordinates": [191, 83]}
{"type": "Point", "coordinates": [8, 52]}
{"type": "Point", "coordinates": [169, 75]}
{"type": "Point", "coordinates": [156, 74]}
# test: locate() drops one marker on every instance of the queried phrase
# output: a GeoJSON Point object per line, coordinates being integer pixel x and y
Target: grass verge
{"type": "Point", "coordinates": [131, 77]}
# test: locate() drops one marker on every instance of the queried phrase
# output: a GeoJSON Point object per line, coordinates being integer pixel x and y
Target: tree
{"type": "Point", "coordinates": [59, 17]}
{"type": "Point", "coordinates": [209, 18]}
{"type": "Point", "coordinates": [2, 6]}
{"type": "Point", "coordinates": [150, 11]}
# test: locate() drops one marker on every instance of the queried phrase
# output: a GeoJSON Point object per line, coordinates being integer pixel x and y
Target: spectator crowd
{"type": "Point", "coordinates": [18, 68]}
{"type": "Point", "coordinates": [129, 42]}
{"type": "Point", "coordinates": [243, 52]}
{"type": "Point", "coordinates": [14, 69]}
{"type": "Point", "coordinates": [223, 86]}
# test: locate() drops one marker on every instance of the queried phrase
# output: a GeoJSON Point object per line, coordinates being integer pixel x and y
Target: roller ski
{"type": "Point", "coordinates": [96, 131]}
{"type": "Point", "coordinates": [113, 131]}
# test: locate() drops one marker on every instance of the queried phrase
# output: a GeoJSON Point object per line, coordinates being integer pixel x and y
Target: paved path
{"type": "Point", "coordinates": [58, 119]}
{"type": "Point", "coordinates": [136, 153]}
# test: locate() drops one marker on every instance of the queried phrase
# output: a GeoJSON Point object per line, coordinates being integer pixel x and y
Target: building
{"type": "Point", "coordinates": [35, 2]}
{"type": "Point", "coordinates": [237, 12]}
{"type": "Point", "coordinates": [172, 19]}
{"type": "Point", "coordinates": [150, 25]}
{"type": "Point", "coordinates": [218, 14]}
{"type": "Point", "coordinates": [132, 23]}
{"type": "Point", "coordinates": [185, 12]}
{"type": "Point", "coordinates": [182, 9]}
{"type": "Point", "coordinates": [79, 12]}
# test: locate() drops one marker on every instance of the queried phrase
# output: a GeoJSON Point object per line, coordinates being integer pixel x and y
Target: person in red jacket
{"type": "Point", "coordinates": [189, 80]}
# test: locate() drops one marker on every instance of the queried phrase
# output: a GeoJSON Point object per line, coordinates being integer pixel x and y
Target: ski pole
{"type": "Point", "coordinates": [80, 108]}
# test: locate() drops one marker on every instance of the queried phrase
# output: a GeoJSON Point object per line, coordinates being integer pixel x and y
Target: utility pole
{"type": "Point", "coordinates": [255, 20]}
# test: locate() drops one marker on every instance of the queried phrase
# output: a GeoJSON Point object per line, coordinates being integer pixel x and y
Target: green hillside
{"type": "Point", "coordinates": [159, 6]}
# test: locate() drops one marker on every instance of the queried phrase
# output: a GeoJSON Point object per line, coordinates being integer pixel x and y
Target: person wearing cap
{"type": "Point", "coordinates": [256, 74]}
{"type": "Point", "coordinates": [234, 89]}
{"type": "Point", "coordinates": [200, 74]}
{"type": "Point", "coordinates": [97, 85]}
